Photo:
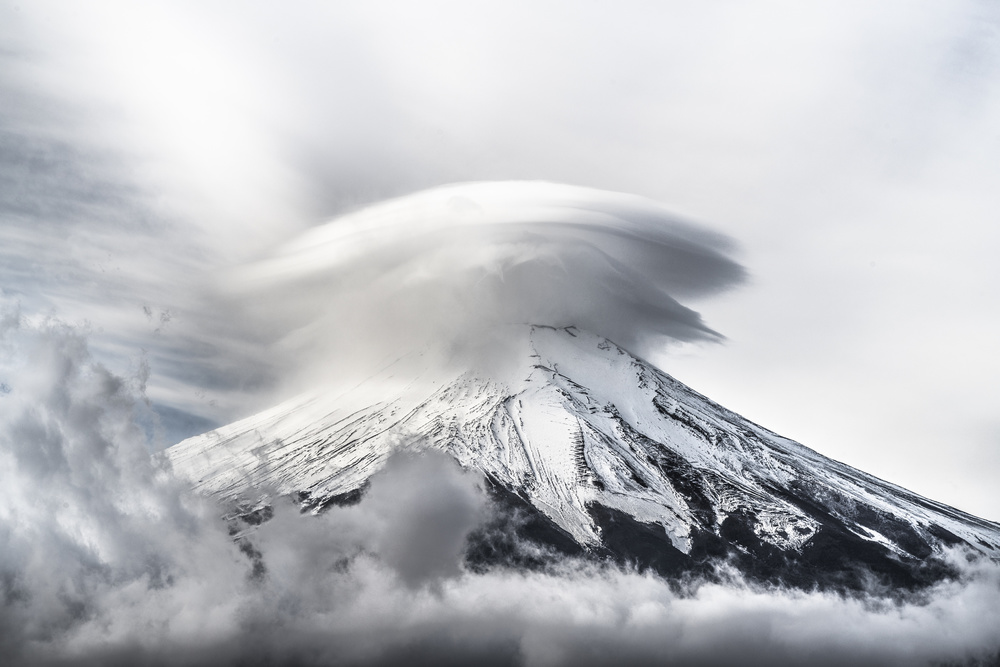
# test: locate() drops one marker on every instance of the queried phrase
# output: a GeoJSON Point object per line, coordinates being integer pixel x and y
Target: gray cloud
{"type": "Point", "coordinates": [427, 507]}
{"type": "Point", "coordinates": [85, 516]}
{"type": "Point", "coordinates": [415, 516]}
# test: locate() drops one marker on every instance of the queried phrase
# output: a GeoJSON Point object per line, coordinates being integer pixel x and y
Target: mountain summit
{"type": "Point", "coordinates": [609, 456]}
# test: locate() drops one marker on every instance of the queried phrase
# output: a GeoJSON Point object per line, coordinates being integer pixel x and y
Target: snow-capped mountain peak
{"type": "Point", "coordinates": [588, 434]}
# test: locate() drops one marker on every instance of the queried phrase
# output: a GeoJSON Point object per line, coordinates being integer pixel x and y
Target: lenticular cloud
{"type": "Point", "coordinates": [455, 262]}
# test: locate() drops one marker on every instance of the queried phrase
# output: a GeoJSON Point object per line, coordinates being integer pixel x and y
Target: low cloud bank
{"type": "Point", "coordinates": [106, 559]}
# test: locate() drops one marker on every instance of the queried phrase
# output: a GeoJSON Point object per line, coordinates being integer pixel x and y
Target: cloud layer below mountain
{"type": "Point", "coordinates": [106, 559]}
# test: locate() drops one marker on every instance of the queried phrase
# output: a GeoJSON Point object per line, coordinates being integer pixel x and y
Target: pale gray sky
{"type": "Point", "coordinates": [852, 151]}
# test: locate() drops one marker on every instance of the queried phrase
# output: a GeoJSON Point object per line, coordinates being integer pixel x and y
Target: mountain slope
{"type": "Point", "coordinates": [621, 457]}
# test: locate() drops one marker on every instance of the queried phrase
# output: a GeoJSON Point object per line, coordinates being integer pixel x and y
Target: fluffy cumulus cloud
{"type": "Point", "coordinates": [106, 559]}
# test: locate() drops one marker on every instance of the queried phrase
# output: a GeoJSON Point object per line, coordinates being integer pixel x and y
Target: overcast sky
{"type": "Point", "coordinates": [850, 150]}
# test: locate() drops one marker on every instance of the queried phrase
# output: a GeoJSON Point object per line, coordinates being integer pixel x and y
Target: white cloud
{"type": "Point", "coordinates": [451, 267]}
